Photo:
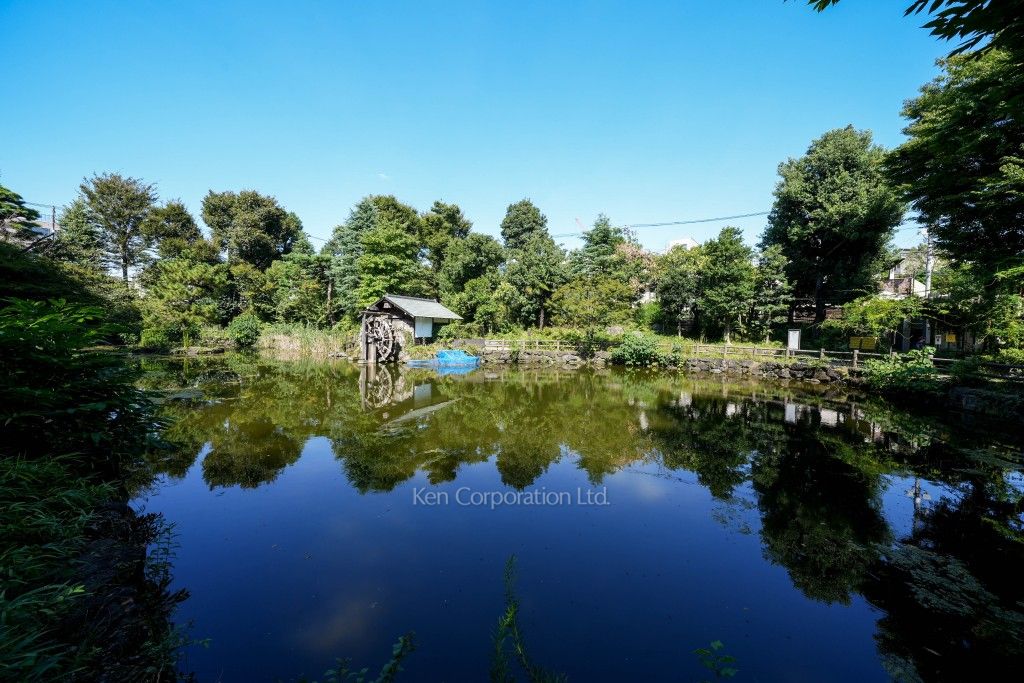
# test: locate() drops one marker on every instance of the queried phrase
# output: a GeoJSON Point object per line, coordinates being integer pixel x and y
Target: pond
{"type": "Point", "coordinates": [321, 511]}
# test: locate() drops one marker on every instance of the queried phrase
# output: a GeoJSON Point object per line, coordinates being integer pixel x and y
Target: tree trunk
{"type": "Point", "coordinates": [124, 269]}
{"type": "Point", "coordinates": [819, 300]}
{"type": "Point", "coordinates": [728, 330]}
{"type": "Point", "coordinates": [679, 327]}
{"type": "Point", "coordinates": [540, 318]}
{"type": "Point", "coordinates": [330, 312]}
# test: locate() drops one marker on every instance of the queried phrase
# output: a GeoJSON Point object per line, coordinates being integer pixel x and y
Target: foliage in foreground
{"type": "Point", "coordinates": [80, 600]}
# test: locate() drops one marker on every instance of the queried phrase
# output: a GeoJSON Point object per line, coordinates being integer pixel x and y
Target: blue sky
{"type": "Point", "coordinates": [646, 111]}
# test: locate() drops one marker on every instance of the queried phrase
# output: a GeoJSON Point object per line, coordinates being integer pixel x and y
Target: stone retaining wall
{"type": "Point", "coordinates": [569, 359]}
{"type": "Point", "coordinates": [769, 370]}
{"type": "Point", "coordinates": [805, 372]}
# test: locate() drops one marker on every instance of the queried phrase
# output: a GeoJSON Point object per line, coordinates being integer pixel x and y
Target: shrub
{"type": "Point", "coordinates": [910, 373]}
{"type": "Point", "coordinates": [637, 349]}
{"type": "Point", "coordinates": [156, 338]}
{"type": "Point", "coordinates": [245, 330]}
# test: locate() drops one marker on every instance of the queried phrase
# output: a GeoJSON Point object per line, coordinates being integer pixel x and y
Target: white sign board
{"type": "Point", "coordinates": [793, 341]}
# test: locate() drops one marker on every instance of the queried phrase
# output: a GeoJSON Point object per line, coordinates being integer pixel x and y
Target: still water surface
{"type": "Point", "coordinates": [820, 536]}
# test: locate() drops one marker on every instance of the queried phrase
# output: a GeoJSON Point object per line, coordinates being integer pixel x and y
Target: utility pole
{"type": "Point", "coordinates": [929, 263]}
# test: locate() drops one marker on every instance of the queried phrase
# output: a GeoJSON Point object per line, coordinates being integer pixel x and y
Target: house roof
{"type": "Point", "coordinates": [420, 308]}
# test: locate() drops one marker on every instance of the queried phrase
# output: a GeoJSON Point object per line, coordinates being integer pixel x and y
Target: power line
{"type": "Point", "coordinates": [698, 220]}
{"type": "Point", "coordinates": [689, 221]}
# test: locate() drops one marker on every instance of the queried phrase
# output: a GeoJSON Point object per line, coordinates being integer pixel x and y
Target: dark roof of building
{"type": "Point", "coordinates": [419, 308]}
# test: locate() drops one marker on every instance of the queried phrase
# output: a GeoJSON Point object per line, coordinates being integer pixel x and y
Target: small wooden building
{"type": "Point", "coordinates": [395, 321]}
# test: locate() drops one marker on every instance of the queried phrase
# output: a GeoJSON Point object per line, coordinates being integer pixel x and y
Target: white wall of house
{"type": "Point", "coordinates": [424, 327]}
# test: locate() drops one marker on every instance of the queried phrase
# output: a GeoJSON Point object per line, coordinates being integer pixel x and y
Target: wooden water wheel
{"type": "Point", "coordinates": [381, 390]}
{"type": "Point", "coordinates": [381, 335]}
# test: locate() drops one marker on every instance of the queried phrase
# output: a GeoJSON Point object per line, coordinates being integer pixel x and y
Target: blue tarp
{"type": "Point", "coordinates": [448, 362]}
{"type": "Point", "coordinates": [456, 357]}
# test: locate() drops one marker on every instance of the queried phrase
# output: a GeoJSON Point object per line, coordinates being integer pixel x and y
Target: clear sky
{"type": "Point", "coordinates": [646, 111]}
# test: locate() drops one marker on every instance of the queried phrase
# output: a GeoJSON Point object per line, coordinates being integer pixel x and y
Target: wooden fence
{"type": "Point", "coordinates": [851, 359]}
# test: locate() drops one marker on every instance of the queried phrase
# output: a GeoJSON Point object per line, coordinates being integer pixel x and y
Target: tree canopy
{"type": "Point", "coordinates": [834, 214]}
{"type": "Point", "coordinates": [250, 227]}
{"type": "Point", "coordinates": [118, 207]}
{"type": "Point", "coordinates": [962, 167]}
{"type": "Point", "coordinates": [523, 220]}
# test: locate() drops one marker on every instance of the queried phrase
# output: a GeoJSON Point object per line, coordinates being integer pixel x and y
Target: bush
{"type": "Point", "coordinates": [156, 338]}
{"type": "Point", "coordinates": [910, 373]}
{"type": "Point", "coordinates": [245, 330]}
{"type": "Point", "coordinates": [637, 349]}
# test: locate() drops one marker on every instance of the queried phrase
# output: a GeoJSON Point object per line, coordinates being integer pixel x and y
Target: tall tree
{"type": "Point", "coordinates": [441, 227]}
{"type": "Point", "coordinates": [592, 302]}
{"type": "Point", "coordinates": [677, 283]}
{"type": "Point", "coordinates": [345, 247]}
{"type": "Point", "coordinates": [470, 258]}
{"type": "Point", "coordinates": [833, 215]}
{"type": "Point", "coordinates": [118, 205]}
{"type": "Point", "coordinates": [77, 241]}
{"type": "Point", "coordinates": [523, 220]}
{"type": "Point", "coordinates": [535, 271]}
{"type": "Point", "coordinates": [250, 227]}
{"type": "Point", "coordinates": [772, 292]}
{"type": "Point", "coordinates": [963, 165]}
{"type": "Point", "coordinates": [389, 264]}
{"type": "Point", "coordinates": [727, 290]}
{"type": "Point", "coordinates": [16, 219]}
{"type": "Point", "coordinates": [600, 249]}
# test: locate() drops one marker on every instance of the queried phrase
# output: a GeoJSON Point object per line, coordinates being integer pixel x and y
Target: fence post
{"type": "Point", "coordinates": [558, 345]}
{"type": "Point", "coordinates": [855, 359]}
{"type": "Point", "coordinates": [821, 353]}
{"type": "Point", "coordinates": [787, 352]}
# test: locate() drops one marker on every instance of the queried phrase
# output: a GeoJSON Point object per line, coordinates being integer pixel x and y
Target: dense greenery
{"type": "Point", "coordinates": [80, 598]}
{"type": "Point", "coordinates": [833, 216]}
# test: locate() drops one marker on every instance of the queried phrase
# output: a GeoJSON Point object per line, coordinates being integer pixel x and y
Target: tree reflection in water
{"type": "Point", "coordinates": [815, 466]}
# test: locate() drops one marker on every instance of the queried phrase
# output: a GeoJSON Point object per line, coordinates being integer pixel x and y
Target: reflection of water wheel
{"type": "Point", "coordinates": [380, 391]}
{"type": "Point", "coordinates": [380, 333]}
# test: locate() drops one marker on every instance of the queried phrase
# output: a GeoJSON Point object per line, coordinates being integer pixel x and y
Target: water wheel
{"type": "Point", "coordinates": [380, 392]}
{"type": "Point", "coordinates": [380, 333]}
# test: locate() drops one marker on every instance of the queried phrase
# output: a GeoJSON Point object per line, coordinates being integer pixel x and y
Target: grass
{"type": "Point", "coordinates": [299, 340]}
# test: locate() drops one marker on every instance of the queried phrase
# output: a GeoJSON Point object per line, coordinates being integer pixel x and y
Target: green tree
{"type": "Point", "coordinates": [16, 219]}
{"type": "Point", "coordinates": [727, 288]}
{"type": "Point", "coordinates": [171, 227]}
{"type": "Point", "coordinates": [345, 246]}
{"type": "Point", "coordinates": [678, 284]}
{"type": "Point", "coordinates": [523, 220]}
{"type": "Point", "coordinates": [299, 285]}
{"type": "Point", "coordinates": [468, 259]}
{"type": "Point", "coordinates": [444, 225]}
{"type": "Point", "coordinates": [389, 264]}
{"type": "Point", "coordinates": [773, 295]}
{"type": "Point", "coordinates": [118, 206]}
{"type": "Point", "coordinates": [535, 271]}
{"type": "Point", "coordinates": [833, 216]}
{"type": "Point", "coordinates": [592, 302]}
{"type": "Point", "coordinates": [962, 166]}
{"type": "Point", "coordinates": [77, 241]}
{"type": "Point", "coordinates": [250, 227]}
{"type": "Point", "coordinates": [599, 254]}
{"type": "Point", "coordinates": [181, 296]}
